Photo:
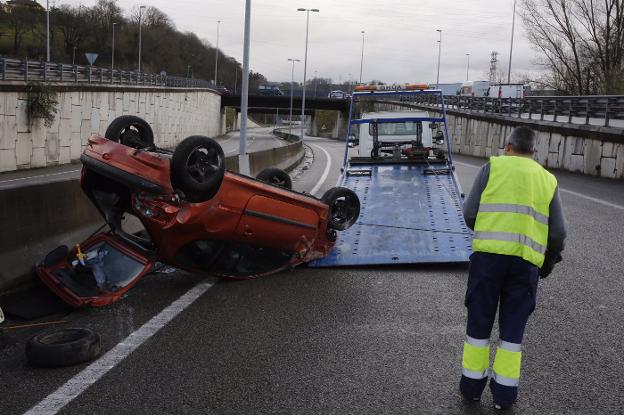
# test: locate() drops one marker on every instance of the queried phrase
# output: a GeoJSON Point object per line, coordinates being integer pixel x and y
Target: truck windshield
{"type": "Point", "coordinates": [397, 128]}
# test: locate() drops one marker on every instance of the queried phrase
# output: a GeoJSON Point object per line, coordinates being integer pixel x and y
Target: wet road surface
{"type": "Point", "coordinates": [356, 340]}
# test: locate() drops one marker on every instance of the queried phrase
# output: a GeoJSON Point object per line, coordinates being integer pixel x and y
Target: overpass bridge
{"type": "Point", "coordinates": [261, 104]}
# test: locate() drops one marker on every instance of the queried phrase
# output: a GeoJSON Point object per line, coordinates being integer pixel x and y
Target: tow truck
{"type": "Point", "coordinates": [398, 161]}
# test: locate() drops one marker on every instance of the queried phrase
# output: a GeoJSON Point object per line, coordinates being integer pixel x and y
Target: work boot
{"type": "Point", "coordinates": [471, 389]}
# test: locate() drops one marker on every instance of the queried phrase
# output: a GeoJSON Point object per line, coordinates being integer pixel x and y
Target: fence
{"type": "Point", "coordinates": [574, 110]}
{"type": "Point", "coordinates": [25, 70]}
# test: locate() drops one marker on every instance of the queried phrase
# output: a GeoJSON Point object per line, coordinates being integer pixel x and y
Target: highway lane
{"type": "Point", "coordinates": [356, 340]}
{"type": "Point", "coordinates": [257, 139]}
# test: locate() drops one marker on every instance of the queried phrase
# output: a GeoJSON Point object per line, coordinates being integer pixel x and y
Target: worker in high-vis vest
{"type": "Point", "coordinates": [515, 211]}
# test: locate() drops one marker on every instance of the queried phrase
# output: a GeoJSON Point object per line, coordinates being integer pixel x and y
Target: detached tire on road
{"type": "Point", "coordinates": [344, 207]}
{"type": "Point", "coordinates": [197, 168]}
{"type": "Point", "coordinates": [63, 347]}
{"type": "Point", "coordinates": [131, 131]}
{"type": "Point", "coordinates": [276, 177]}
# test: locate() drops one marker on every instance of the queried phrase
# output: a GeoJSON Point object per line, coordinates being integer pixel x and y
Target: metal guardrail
{"type": "Point", "coordinates": [28, 70]}
{"type": "Point", "coordinates": [558, 109]}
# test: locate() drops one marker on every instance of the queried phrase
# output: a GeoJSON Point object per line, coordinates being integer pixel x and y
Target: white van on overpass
{"type": "Point", "coordinates": [474, 88]}
{"type": "Point", "coordinates": [508, 91]}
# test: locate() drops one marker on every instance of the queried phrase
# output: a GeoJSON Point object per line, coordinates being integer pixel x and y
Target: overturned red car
{"type": "Point", "coordinates": [197, 217]}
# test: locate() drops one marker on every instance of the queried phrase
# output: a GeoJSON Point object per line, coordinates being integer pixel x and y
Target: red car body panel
{"type": "Point", "coordinates": [244, 213]}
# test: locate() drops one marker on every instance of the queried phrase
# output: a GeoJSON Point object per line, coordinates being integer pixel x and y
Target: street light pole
{"type": "Point", "coordinates": [217, 54]}
{"type": "Point", "coordinates": [439, 55]}
{"type": "Point", "coordinates": [292, 86]}
{"type": "Point", "coordinates": [243, 158]}
{"type": "Point", "coordinates": [140, 16]}
{"type": "Point", "coordinates": [468, 67]}
{"type": "Point", "coordinates": [305, 67]}
{"type": "Point", "coordinates": [513, 28]}
{"type": "Point", "coordinates": [47, 30]}
{"type": "Point", "coordinates": [113, 51]}
{"type": "Point", "coordinates": [362, 59]}
{"type": "Point", "coordinates": [315, 82]}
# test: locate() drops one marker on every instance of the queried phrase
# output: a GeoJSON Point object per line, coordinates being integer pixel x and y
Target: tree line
{"type": "Point", "coordinates": [76, 30]}
{"type": "Point", "coordinates": [580, 43]}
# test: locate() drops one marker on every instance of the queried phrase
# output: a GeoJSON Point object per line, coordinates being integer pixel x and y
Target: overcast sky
{"type": "Point", "coordinates": [400, 40]}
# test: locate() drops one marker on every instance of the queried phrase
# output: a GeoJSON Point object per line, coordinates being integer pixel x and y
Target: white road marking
{"type": "Point", "coordinates": [43, 175]}
{"type": "Point", "coordinates": [592, 199]}
{"type": "Point", "coordinates": [92, 373]}
{"type": "Point", "coordinates": [325, 173]}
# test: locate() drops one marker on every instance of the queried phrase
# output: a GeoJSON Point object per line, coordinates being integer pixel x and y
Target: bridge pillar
{"type": "Point", "coordinates": [237, 123]}
{"type": "Point", "coordinates": [340, 129]}
{"type": "Point", "coordinates": [223, 125]}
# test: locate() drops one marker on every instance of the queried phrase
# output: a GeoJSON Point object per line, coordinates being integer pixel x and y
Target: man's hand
{"type": "Point", "coordinates": [549, 263]}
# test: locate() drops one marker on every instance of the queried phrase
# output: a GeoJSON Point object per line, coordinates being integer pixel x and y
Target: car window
{"type": "Point", "coordinates": [397, 128]}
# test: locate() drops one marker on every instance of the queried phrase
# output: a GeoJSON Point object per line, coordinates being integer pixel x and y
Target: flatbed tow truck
{"type": "Point", "coordinates": [399, 163]}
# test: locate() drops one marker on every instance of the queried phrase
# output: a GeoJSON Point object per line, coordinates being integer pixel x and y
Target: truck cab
{"type": "Point", "coordinates": [400, 133]}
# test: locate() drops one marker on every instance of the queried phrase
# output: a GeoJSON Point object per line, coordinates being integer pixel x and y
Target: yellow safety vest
{"type": "Point", "coordinates": [514, 208]}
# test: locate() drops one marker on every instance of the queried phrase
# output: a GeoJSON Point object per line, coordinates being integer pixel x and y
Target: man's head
{"type": "Point", "coordinates": [521, 142]}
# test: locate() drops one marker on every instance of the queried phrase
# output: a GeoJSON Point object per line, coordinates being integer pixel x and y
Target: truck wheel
{"type": "Point", "coordinates": [344, 207]}
{"type": "Point", "coordinates": [276, 177]}
{"type": "Point", "coordinates": [197, 168]}
{"type": "Point", "coordinates": [63, 347]}
{"type": "Point", "coordinates": [131, 131]}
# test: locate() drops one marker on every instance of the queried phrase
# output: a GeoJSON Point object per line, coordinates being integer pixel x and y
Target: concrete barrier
{"type": "Point", "coordinates": [38, 218]}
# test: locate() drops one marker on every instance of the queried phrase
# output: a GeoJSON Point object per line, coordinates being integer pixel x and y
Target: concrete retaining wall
{"type": "Point", "coordinates": [37, 219]}
{"type": "Point", "coordinates": [582, 150]}
{"type": "Point", "coordinates": [173, 114]}
{"type": "Point", "coordinates": [587, 149]}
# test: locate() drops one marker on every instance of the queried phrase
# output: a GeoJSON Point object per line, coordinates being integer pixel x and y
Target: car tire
{"type": "Point", "coordinates": [344, 207]}
{"type": "Point", "coordinates": [63, 347]}
{"type": "Point", "coordinates": [131, 131]}
{"type": "Point", "coordinates": [276, 177]}
{"type": "Point", "coordinates": [197, 168]}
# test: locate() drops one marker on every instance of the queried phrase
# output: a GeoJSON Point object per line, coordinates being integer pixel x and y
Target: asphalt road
{"type": "Point", "coordinates": [356, 340]}
{"type": "Point", "coordinates": [257, 139]}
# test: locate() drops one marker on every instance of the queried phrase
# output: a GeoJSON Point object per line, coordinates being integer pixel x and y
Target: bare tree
{"type": "Point", "coordinates": [581, 43]}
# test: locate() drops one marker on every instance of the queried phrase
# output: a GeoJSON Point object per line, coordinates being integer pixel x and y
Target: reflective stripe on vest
{"type": "Point", "coordinates": [476, 358]}
{"type": "Point", "coordinates": [506, 369]}
{"type": "Point", "coordinates": [514, 208]}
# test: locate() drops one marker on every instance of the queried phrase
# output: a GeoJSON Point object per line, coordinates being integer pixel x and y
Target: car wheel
{"type": "Point", "coordinates": [63, 347]}
{"type": "Point", "coordinates": [197, 168]}
{"type": "Point", "coordinates": [344, 207]}
{"type": "Point", "coordinates": [131, 131]}
{"type": "Point", "coordinates": [276, 177]}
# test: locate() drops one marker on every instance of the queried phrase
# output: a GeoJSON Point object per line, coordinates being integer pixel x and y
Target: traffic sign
{"type": "Point", "coordinates": [91, 57]}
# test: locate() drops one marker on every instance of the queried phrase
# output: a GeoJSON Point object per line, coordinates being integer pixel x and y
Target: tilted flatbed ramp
{"type": "Point", "coordinates": [406, 217]}
{"type": "Point", "coordinates": [411, 212]}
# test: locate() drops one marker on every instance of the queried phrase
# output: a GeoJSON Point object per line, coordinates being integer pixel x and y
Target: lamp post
{"type": "Point", "coordinates": [439, 55]}
{"type": "Point", "coordinates": [468, 66]}
{"type": "Point", "coordinates": [113, 51]}
{"type": "Point", "coordinates": [315, 82]}
{"type": "Point", "coordinates": [362, 59]}
{"type": "Point", "coordinates": [513, 27]}
{"type": "Point", "coordinates": [305, 66]}
{"type": "Point", "coordinates": [292, 86]}
{"type": "Point", "coordinates": [217, 54]}
{"type": "Point", "coordinates": [47, 30]}
{"type": "Point", "coordinates": [140, 16]}
{"type": "Point", "coordinates": [243, 158]}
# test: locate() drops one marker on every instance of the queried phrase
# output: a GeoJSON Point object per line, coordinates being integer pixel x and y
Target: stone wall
{"type": "Point", "coordinates": [563, 149]}
{"type": "Point", "coordinates": [173, 114]}
{"type": "Point", "coordinates": [586, 149]}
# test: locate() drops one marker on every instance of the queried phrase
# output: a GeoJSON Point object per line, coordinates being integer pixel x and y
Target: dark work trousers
{"type": "Point", "coordinates": [508, 283]}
